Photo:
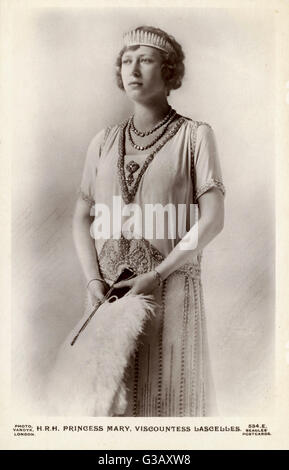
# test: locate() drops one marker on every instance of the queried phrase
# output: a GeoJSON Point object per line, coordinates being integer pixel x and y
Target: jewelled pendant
{"type": "Point", "coordinates": [131, 167]}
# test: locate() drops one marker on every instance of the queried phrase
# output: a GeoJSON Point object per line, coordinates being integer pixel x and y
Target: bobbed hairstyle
{"type": "Point", "coordinates": [173, 68]}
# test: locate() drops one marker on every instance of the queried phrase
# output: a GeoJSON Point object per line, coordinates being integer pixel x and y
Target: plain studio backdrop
{"type": "Point", "coordinates": [64, 92]}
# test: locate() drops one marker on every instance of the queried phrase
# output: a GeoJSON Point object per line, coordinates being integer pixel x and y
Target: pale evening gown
{"type": "Point", "coordinates": [169, 374]}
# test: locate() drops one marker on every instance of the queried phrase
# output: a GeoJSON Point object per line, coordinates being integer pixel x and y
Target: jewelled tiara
{"type": "Point", "coordinates": [144, 38]}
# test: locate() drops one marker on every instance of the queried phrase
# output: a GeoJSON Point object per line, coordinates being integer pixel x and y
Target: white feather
{"type": "Point", "coordinates": [86, 379]}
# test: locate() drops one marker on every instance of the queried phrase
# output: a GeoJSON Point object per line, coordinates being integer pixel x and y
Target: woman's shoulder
{"type": "Point", "coordinates": [112, 129]}
{"type": "Point", "coordinates": [193, 124]}
{"type": "Point", "coordinates": [101, 136]}
{"type": "Point", "coordinates": [200, 131]}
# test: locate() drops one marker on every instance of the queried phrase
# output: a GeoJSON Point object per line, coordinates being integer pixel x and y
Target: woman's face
{"type": "Point", "coordinates": [141, 74]}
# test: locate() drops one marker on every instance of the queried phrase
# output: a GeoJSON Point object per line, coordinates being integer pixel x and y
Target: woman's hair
{"type": "Point", "coordinates": [173, 68]}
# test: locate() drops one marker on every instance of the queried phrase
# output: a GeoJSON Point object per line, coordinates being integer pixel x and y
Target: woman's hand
{"type": "Point", "coordinates": [97, 291]}
{"type": "Point", "coordinates": [142, 284]}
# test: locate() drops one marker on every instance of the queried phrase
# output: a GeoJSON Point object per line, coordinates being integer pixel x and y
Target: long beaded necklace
{"type": "Point", "coordinates": [129, 194]}
{"type": "Point", "coordinates": [157, 138]}
{"type": "Point", "coordinates": [157, 126]}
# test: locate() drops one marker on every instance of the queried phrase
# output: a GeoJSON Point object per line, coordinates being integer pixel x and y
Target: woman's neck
{"type": "Point", "coordinates": [147, 115]}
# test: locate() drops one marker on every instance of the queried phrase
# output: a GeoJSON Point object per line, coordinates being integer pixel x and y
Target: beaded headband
{"type": "Point", "coordinates": [144, 38]}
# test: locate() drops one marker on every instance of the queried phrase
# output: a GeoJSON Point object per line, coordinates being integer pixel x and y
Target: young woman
{"type": "Point", "coordinates": [156, 161]}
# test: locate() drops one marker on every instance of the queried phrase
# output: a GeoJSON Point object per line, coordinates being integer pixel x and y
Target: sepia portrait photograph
{"type": "Point", "coordinates": [143, 208]}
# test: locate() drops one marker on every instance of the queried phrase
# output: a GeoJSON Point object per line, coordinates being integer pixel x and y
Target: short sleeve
{"type": "Point", "coordinates": [207, 165]}
{"type": "Point", "coordinates": [87, 185]}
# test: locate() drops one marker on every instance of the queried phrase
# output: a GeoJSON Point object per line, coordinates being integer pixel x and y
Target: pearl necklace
{"type": "Point", "coordinates": [129, 194]}
{"type": "Point", "coordinates": [157, 138]}
{"type": "Point", "coordinates": [157, 126]}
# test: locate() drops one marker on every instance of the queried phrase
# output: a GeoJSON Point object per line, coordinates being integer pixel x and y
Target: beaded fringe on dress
{"type": "Point", "coordinates": [169, 373]}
